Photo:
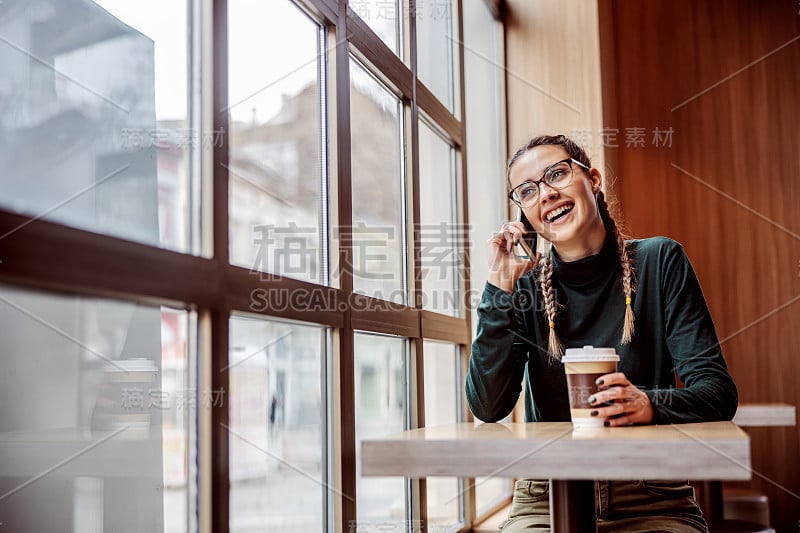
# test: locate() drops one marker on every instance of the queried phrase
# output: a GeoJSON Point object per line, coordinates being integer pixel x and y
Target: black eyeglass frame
{"type": "Point", "coordinates": [541, 180]}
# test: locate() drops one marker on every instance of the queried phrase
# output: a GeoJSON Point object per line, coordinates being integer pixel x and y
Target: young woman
{"type": "Point", "coordinates": [594, 288]}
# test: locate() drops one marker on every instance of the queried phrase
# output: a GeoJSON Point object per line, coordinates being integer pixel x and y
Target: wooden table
{"type": "Point", "coordinates": [765, 414]}
{"type": "Point", "coordinates": [570, 459]}
{"type": "Point", "coordinates": [747, 415]}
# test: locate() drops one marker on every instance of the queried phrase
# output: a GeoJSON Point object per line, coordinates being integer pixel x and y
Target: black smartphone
{"type": "Point", "coordinates": [528, 241]}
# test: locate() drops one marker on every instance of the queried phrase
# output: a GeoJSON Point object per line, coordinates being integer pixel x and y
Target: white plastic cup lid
{"type": "Point", "coordinates": [589, 353]}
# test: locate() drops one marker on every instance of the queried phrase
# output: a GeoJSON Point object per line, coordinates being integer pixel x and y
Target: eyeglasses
{"type": "Point", "coordinates": [558, 175]}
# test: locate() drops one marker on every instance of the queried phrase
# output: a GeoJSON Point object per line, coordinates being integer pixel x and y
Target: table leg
{"type": "Point", "coordinates": [711, 501]}
{"type": "Point", "coordinates": [572, 506]}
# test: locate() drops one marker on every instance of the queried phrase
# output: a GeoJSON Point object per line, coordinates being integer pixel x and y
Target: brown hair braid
{"type": "Point", "coordinates": [548, 295]}
{"type": "Point", "coordinates": [546, 274]}
{"type": "Point", "coordinates": [626, 261]}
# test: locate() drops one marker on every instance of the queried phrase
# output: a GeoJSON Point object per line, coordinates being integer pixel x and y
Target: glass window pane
{"type": "Point", "coordinates": [93, 122]}
{"type": "Point", "coordinates": [440, 235]}
{"type": "Point", "coordinates": [435, 38]}
{"type": "Point", "coordinates": [378, 188]}
{"type": "Point", "coordinates": [442, 388]}
{"type": "Point", "coordinates": [276, 432]}
{"type": "Point", "coordinates": [277, 167]}
{"type": "Point", "coordinates": [384, 17]}
{"type": "Point", "coordinates": [483, 67]}
{"type": "Point", "coordinates": [380, 410]}
{"type": "Point", "coordinates": [96, 410]}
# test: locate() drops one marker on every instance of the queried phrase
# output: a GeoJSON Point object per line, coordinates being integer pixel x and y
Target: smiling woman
{"type": "Point", "coordinates": [573, 214]}
{"type": "Point", "coordinates": [587, 291]}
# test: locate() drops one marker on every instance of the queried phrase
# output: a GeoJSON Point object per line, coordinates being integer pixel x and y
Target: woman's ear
{"type": "Point", "coordinates": [597, 180]}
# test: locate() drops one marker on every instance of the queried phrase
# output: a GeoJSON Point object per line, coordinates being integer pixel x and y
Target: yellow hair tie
{"type": "Point", "coordinates": [552, 324]}
{"type": "Point", "coordinates": [627, 300]}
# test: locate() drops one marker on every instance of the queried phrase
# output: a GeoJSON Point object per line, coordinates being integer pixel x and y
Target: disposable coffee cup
{"type": "Point", "coordinates": [583, 366]}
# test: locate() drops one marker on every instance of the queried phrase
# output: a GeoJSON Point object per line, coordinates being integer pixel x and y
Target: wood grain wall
{"type": "Point", "coordinates": [725, 77]}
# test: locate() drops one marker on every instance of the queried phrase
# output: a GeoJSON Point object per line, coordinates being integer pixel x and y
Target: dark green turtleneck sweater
{"type": "Point", "coordinates": [673, 333]}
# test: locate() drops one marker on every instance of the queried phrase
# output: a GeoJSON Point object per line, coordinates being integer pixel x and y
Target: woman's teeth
{"type": "Point", "coordinates": [564, 209]}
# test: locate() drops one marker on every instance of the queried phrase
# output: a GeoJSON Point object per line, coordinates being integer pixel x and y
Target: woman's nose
{"type": "Point", "coordinates": [547, 193]}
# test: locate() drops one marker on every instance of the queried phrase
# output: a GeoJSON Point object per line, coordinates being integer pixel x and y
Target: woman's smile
{"type": "Point", "coordinates": [558, 214]}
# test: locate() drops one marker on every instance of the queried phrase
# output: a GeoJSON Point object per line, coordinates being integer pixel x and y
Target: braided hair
{"type": "Point", "coordinates": [546, 274]}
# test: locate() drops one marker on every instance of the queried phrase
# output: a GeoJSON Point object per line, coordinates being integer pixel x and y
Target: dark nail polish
{"type": "Point", "coordinates": [606, 423]}
{"type": "Point", "coordinates": [593, 413]}
{"type": "Point", "coordinates": [611, 402]}
{"type": "Point", "coordinates": [599, 382]}
{"type": "Point", "coordinates": [592, 399]}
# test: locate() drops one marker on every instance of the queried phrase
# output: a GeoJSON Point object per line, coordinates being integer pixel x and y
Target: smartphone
{"type": "Point", "coordinates": [528, 241]}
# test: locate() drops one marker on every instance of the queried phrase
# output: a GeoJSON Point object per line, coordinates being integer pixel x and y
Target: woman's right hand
{"type": "Point", "coordinates": [505, 267]}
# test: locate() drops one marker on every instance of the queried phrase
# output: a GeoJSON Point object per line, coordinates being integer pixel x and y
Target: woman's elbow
{"type": "Point", "coordinates": [732, 405]}
{"type": "Point", "coordinates": [485, 411]}
{"type": "Point", "coordinates": [728, 400]}
{"type": "Point", "coordinates": [487, 415]}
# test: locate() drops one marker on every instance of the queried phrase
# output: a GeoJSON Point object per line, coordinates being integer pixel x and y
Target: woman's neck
{"type": "Point", "coordinates": [590, 244]}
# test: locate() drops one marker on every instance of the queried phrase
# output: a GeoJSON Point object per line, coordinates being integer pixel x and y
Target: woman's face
{"type": "Point", "coordinates": [581, 216]}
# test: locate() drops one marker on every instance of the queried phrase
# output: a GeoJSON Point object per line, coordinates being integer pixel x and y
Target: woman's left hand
{"type": "Point", "coordinates": [630, 405]}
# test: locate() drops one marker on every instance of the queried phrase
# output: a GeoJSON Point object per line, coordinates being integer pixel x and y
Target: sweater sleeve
{"type": "Point", "coordinates": [709, 393]}
{"type": "Point", "coordinates": [497, 362]}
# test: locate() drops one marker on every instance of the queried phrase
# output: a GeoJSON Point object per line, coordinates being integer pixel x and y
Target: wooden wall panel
{"type": "Point", "coordinates": [725, 76]}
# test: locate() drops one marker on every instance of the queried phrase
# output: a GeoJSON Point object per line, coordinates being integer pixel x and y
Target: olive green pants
{"type": "Point", "coordinates": [620, 506]}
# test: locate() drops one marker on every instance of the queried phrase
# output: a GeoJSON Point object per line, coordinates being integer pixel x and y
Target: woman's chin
{"type": "Point", "coordinates": [560, 234]}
